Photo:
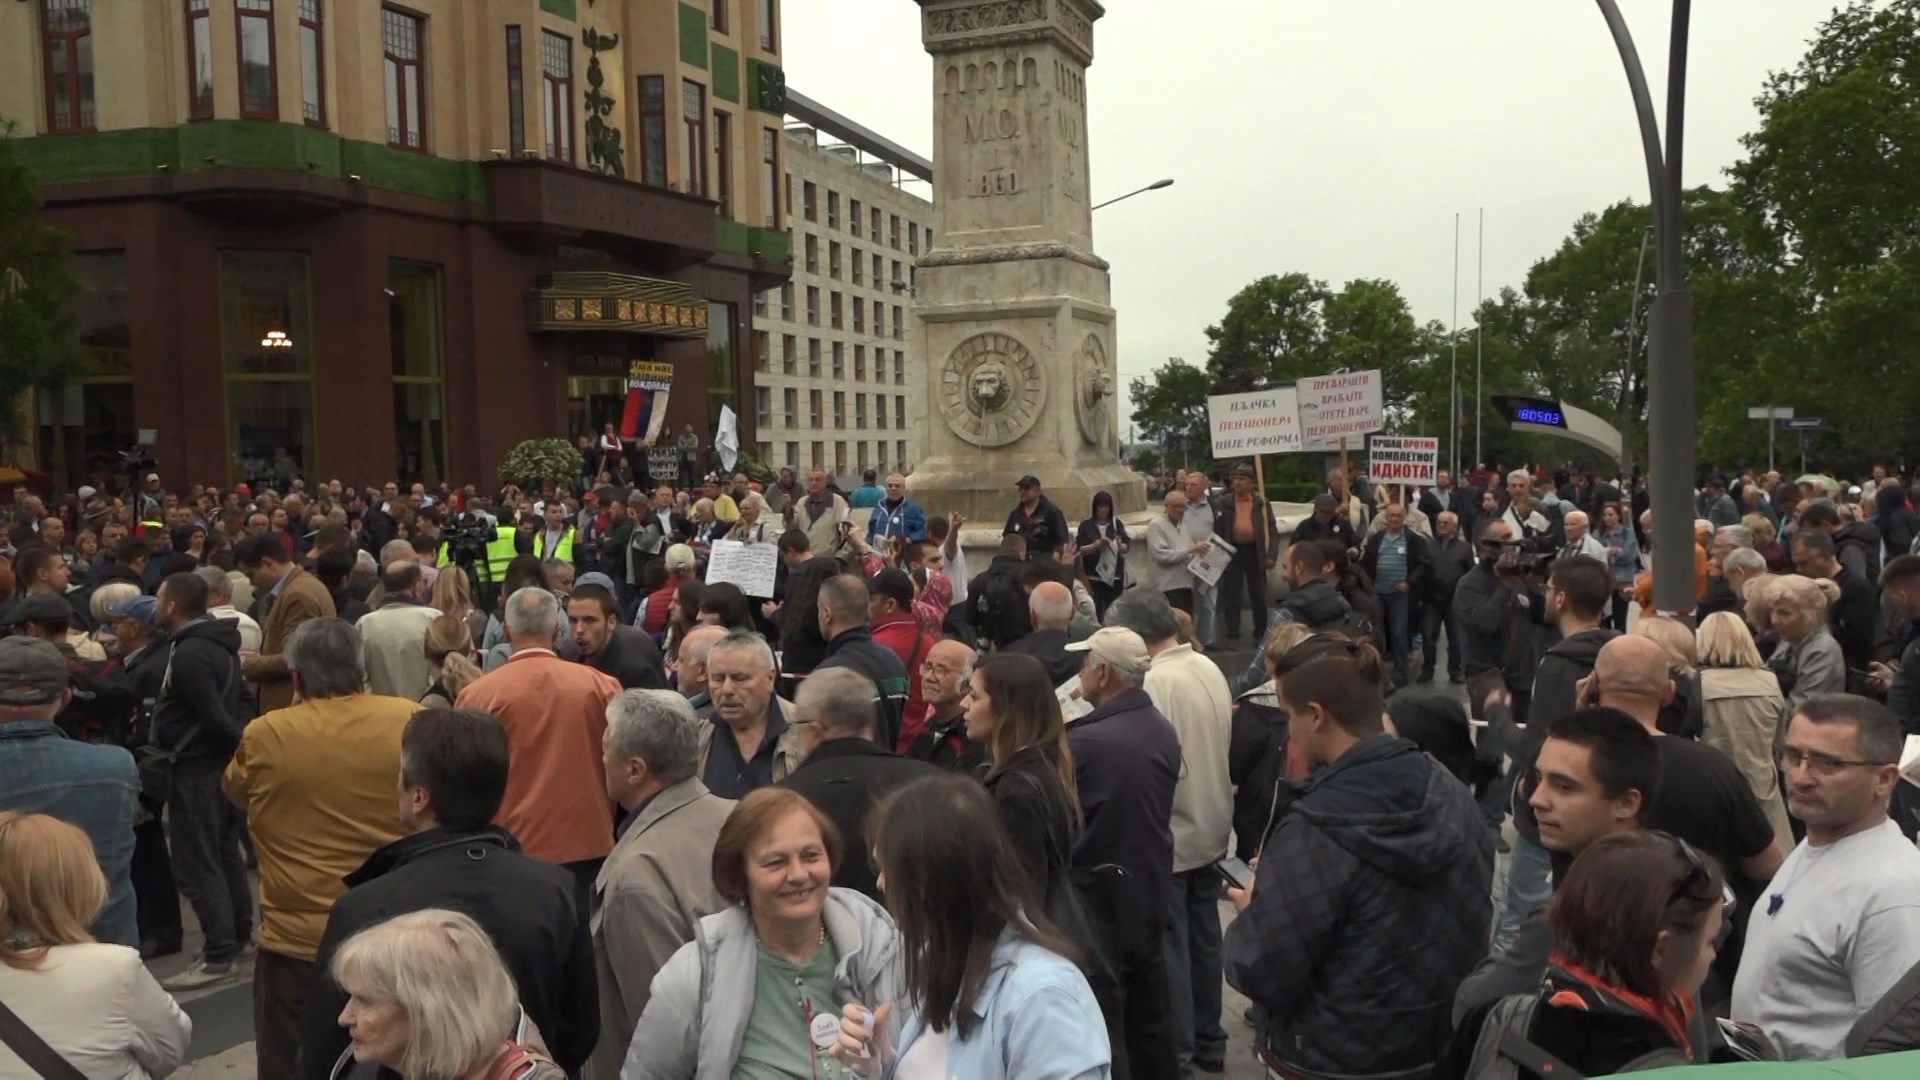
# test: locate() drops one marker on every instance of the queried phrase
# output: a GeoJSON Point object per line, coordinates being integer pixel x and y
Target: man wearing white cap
{"type": "Point", "coordinates": [1126, 762]}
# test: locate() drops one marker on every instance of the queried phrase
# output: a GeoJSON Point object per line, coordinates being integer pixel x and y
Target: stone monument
{"type": "Point", "coordinates": [1015, 324]}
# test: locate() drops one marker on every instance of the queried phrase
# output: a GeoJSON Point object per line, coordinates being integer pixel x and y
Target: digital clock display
{"type": "Point", "coordinates": [1549, 417]}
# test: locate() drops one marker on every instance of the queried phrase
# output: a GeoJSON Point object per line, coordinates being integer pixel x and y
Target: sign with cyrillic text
{"type": "Point", "coordinates": [1260, 422]}
{"type": "Point", "coordinates": [1335, 407]}
{"type": "Point", "coordinates": [1403, 459]}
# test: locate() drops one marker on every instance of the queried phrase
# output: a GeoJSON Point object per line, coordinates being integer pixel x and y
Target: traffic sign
{"type": "Point", "coordinates": [1770, 412]}
{"type": "Point", "coordinates": [1805, 423]}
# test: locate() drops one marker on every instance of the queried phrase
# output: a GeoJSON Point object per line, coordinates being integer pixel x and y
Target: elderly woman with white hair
{"type": "Point", "coordinates": [707, 526]}
{"type": "Point", "coordinates": [1743, 712]}
{"type": "Point", "coordinates": [1809, 661]}
{"type": "Point", "coordinates": [754, 526]}
{"type": "Point", "coordinates": [429, 998]}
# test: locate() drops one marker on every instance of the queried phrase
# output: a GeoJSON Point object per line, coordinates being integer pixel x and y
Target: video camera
{"type": "Point", "coordinates": [467, 537]}
{"type": "Point", "coordinates": [1533, 554]}
{"type": "Point", "coordinates": [134, 460]}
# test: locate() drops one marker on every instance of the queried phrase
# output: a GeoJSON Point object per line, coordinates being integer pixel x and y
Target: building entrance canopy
{"type": "Point", "coordinates": [621, 303]}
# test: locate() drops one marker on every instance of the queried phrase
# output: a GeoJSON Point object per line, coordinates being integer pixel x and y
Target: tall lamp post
{"type": "Point", "coordinates": [1670, 416]}
{"type": "Point", "coordinates": [1155, 186]}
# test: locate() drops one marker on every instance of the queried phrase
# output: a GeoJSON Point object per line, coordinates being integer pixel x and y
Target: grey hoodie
{"type": "Point", "coordinates": [696, 1016]}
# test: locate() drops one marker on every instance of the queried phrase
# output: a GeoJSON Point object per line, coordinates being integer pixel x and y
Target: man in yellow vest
{"type": "Point", "coordinates": [555, 539]}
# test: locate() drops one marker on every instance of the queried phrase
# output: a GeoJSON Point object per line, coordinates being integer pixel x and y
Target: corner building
{"type": "Point", "coordinates": [835, 343]}
{"type": "Point", "coordinates": [367, 240]}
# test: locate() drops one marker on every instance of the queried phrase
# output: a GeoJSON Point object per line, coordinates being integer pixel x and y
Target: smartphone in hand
{"type": "Point", "coordinates": [1235, 872]}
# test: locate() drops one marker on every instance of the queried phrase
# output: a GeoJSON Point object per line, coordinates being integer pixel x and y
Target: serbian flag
{"type": "Point", "coordinates": [648, 389]}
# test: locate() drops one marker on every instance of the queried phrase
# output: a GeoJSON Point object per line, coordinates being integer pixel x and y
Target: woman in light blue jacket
{"type": "Point", "coordinates": [1623, 562]}
{"type": "Point", "coordinates": [991, 987]}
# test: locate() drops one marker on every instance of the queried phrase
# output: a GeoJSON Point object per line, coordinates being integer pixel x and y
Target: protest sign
{"type": "Point", "coordinates": [750, 566]}
{"type": "Point", "coordinates": [1261, 422]}
{"type": "Point", "coordinates": [1336, 407]}
{"type": "Point", "coordinates": [1403, 459]}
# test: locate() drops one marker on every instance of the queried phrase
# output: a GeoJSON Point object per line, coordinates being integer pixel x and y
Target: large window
{"type": "Point", "coordinates": [769, 24]}
{"type": "Point", "coordinates": [653, 130]}
{"type": "Point", "coordinates": [313, 65]}
{"type": "Point", "coordinates": [259, 97]}
{"type": "Point", "coordinates": [404, 37]}
{"type": "Point", "coordinates": [717, 19]}
{"type": "Point", "coordinates": [199, 60]}
{"type": "Point", "coordinates": [556, 94]}
{"type": "Point", "coordinates": [66, 39]}
{"type": "Point", "coordinates": [87, 424]}
{"type": "Point", "coordinates": [516, 95]}
{"type": "Point", "coordinates": [770, 177]}
{"type": "Point", "coordinates": [720, 360]}
{"type": "Point", "coordinates": [266, 338]}
{"type": "Point", "coordinates": [413, 330]}
{"type": "Point", "coordinates": [693, 112]}
{"type": "Point", "coordinates": [723, 161]}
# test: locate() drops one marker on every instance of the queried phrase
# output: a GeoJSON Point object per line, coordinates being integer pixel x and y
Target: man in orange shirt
{"type": "Point", "coordinates": [555, 712]}
{"type": "Point", "coordinates": [1244, 520]}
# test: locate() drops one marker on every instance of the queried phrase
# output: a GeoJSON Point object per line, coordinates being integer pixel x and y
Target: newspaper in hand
{"type": "Point", "coordinates": [1211, 563]}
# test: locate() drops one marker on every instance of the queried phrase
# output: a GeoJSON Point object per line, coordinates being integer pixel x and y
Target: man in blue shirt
{"type": "Point", "coordinates": [895, 515]}
{"type": "Point", "coordinates": [95, 787]}
{"type": "Point", "coordinates": [868, 493]}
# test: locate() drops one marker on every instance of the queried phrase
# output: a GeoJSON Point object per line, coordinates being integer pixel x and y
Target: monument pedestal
{"type": "Point", "coordinates": [1015, 325]}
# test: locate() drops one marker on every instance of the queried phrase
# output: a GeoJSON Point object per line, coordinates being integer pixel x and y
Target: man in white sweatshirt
{"type": "Point", "coordinates": [1191, 692]}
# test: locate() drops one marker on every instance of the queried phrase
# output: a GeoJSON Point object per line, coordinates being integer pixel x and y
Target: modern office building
{"type": "Point", "coordinates": [836, 384]}
{"type": "Point", "coordinates": [374, 240]}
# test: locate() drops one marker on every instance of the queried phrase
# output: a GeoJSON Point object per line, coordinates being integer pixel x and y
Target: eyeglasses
{"type": "Point", "coordinates": [1792, 757]}
{"type": "Point", "coordinates": [1696, 876]}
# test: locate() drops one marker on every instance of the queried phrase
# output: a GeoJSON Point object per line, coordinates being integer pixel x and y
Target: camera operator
{"type": "Point", "coordinates": [1502, 609]}
{"type": "Point", "coordinates": [143, 661]}
{"type": "Point", "coordinates": [1528, 519]}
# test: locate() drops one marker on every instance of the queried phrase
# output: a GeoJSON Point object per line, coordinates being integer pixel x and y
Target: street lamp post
{"type": "Point", "coordinates": [1670, 419]}
{"type": "Point", "coordinates": [1155, 186]}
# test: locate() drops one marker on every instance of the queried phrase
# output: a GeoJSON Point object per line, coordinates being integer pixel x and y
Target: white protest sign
{"type": "Point", "coordinates": [750, 566]}
{"type": "Point", "coordinates": [1261, 422]}
{"type": "Point", "coordinates": [1403, 459]}
{"type": "Point", "coordinates": [1335, 407]}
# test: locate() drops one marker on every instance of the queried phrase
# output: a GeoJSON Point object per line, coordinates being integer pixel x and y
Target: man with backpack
{"type": "Point", "coordinates": [999, 600]}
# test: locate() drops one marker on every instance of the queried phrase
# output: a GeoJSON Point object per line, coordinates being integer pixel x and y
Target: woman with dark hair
{"type": "Point", "coordinates": [802, 645]}
{"type": "Point", "coordinates": [1636, 925]}
{"type": "Point", "coordinates": [1103, 544]}
{"type": "Point", "coordinates": [991, 987]}
{"type": "Point", "coordinates": [1012, 710]}
{"type": "Point", "coordinates": [192, 541]}
{"type": "Point", "coordinates": [723, 604]}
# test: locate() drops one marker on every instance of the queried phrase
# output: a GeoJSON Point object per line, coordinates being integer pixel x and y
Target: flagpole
{"type": "Point", "coordinates": [1479, 337]}
{"type": "Point", "coordinates": [1453, 375]}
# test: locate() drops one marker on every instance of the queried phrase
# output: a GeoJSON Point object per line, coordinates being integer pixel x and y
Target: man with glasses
{"type": "Point", "coordinates": [1840, 922]}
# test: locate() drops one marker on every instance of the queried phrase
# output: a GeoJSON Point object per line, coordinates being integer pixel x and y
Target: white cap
{"type": "Point", "coordinates": [153, 476]}
{"type": "Point", "coordinates": [1118, 646]}
{"type": "Point", "coordinates": [85, 493]}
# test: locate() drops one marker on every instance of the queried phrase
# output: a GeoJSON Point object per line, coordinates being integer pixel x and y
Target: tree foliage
{"type": "Point", "coordinates": [542, 461]}
{"type": "Point", "coordinates": [39, 346]}
{"type": "Point", "coordinates": [1804, 267]}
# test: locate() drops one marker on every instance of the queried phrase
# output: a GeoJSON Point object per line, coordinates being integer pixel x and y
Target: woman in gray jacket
{"type": "Point", "coordinates": [822, 947]}
{"type": "Point", "coordinates": [1808, 651]}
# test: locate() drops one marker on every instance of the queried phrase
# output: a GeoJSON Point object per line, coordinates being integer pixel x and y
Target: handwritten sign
{"type": "Point", "coordinates": [1261, 422]}
{"type": "Point", "coordinates": [1335, 407]}
{"type": "Point", "coordinates": [1211, 563]}
{"type": "Point", "coordinates": [750, 566]}
{"type": "Point", "coordinates": [1403, 459]}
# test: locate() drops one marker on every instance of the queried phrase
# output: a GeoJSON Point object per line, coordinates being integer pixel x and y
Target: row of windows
{"type": "Point", "coordinates": [790, 409]}
{"type": "Point", "coordinates": [790, 361]}
{"type": "Point", "coordinates": [839, 463]}
{"type": "Point", "coordinates": [837, 309]}
{"type": "Point", "coordinates": [67, 45]}
{"type": "Point", "coordinates": [836, 268]}
{"type": "Point", "coordinates": [810, 210]}
{"type": "Point", "coordinates": [718, 19]}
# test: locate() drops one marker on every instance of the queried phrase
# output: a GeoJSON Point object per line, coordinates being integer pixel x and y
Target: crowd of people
{"type": "Point", "coordinates": [527, 795]}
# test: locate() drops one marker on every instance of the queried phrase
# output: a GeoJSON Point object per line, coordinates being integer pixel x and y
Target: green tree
{"type": "Point", "coordinates": [1274, 331]}
{"type": "Point", "coordinates": [1174, 401]}
{"type": "Point", "coordinates": [39, 347]}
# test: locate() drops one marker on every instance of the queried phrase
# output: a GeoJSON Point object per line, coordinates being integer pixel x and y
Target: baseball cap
{"type": "Point", "coordinates": [85, 493]}
{"type": "Point", "coordinates": [1027, 481]}
{"type": "Point", "coordinates": [152, 476]}
{"type": "Point", "coordinates": [594, 578]}
{"type": "Point", "coordinates": [894, 583]}
{"type": "Point", "coordinates": [32, 672]}
{"type": "Point", "coordinates": [144, 610]}
{"type": "Point", "coordinates": [680, 558]}
{"type": "Point", "coordinates": [43, 608]}
{"type": "Point", "coordinates": [1325, 501]}
{"type": "Point", "coordinates": [1117, 646]}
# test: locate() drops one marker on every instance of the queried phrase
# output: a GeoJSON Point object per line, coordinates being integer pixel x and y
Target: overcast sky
{"type": "Point", "coordinates": [1336, 138]}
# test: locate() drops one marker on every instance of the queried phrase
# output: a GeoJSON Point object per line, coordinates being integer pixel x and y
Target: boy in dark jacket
{"type": "Point", "coordinates": [1373, 893]}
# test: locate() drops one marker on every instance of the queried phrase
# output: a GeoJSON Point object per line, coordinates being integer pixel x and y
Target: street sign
{"type": "Point", "coordinates": [1804, 423]}
{"type": "Point", "coordinates": [1770, 412]}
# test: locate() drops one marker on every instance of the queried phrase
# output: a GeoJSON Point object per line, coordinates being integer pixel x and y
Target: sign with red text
{"type": "Point", "coordinates": [1403, 459]}
{"type": "Point", "coordinates": [1260, 422]}
{"type": "Point", "coordinates": [1336, 407]}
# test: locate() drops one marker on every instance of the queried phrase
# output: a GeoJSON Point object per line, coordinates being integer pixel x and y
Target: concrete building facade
{"type": "Point", "coordinates": [838, 382]}
{"type": "Point", "coordinates": [391, 240]}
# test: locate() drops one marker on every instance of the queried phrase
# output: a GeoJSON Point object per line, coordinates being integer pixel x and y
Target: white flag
{"type": "Point", "coordinates": [726, 438]}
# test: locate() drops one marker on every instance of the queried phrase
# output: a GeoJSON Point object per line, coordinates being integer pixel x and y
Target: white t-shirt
{"type": "Point", "coordinates": [1845, 927]}
{"type": "Point", "coordinates": [926, 1059]}
{"type": "Point", "coordinates": [957, 574]}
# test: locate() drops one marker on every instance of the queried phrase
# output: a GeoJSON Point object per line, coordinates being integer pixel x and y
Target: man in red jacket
{"type": "Point", "coordinates": [890, 617]}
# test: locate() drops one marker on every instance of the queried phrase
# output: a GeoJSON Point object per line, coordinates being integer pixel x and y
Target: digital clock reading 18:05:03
{"type": "Point", "coordinates": [1550, 417]}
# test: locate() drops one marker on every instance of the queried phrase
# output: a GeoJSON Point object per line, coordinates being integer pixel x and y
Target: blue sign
{"type": "Point", "coordinates": [1549, 417]}
{"type": "Point", "coordinates": [1805, 423]}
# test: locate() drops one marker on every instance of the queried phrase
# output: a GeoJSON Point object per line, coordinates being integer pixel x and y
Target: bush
{"type": "Point", "coordinates": [541, 461]}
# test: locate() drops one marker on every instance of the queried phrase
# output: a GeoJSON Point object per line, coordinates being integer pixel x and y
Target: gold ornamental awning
{"type": "Point", "coordinates": [623, 303]}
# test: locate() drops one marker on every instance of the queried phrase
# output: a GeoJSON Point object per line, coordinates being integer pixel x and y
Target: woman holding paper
{"type": "Point", "coordinates": [1103, 544]}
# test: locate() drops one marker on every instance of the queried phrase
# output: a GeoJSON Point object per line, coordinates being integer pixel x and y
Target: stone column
{"type": "Point", "coordinates": [1015, 325]}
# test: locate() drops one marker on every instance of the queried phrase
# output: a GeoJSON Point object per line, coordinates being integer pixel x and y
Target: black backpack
{"type": "Point", "coordinates": [1000, 607]}
{"type": "Point", "coordinates": [1502, 1051]}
